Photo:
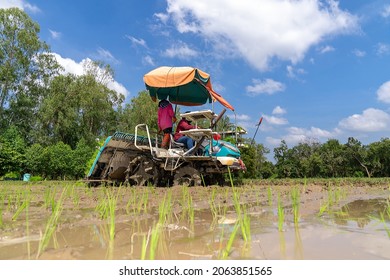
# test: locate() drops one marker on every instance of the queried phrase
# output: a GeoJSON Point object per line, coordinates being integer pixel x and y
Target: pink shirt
{"type": "Point", "coordinates": [165, 116]}
{"type": "Point", "coordinates": [182, 125]}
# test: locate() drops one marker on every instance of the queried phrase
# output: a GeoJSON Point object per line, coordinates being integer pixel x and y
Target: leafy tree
{"type": "Point", "coordinates": [362, 155]}
{"type": "Point", "coordinates": [59, 158]}
{"type": "Point", "coordinates": [80, 159]}
{"type": "Point", "coordinates": [284, 166]}
{"type": "Point", "coordinates": [12, 149]}
{"type": "Point", "coordinates": [25, 68]}
{"type": "Point", "coordinates": [36, 161]}
{"type": "Point", "coordinates": [141, 110]}
{"type": "Point", "coordinates": [255, 160]}
{"type": "Point", "coordinates": [333, 159]}
{"type": "Point", "coordinates": [76, 108]}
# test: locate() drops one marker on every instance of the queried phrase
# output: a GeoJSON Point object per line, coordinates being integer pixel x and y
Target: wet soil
{"type": "Point", "coordinates": [342, 219]}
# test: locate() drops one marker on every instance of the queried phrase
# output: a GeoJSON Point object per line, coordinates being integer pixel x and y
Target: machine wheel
{"type": "Point", "coordinates": [187, 176]}
{"type": "Point", "coordinates": [143, 172]}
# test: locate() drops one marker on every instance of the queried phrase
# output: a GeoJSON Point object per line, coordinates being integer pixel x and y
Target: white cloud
{"type": "Point", "coordinates": [267, 86]}
{"type": "Point", "coordinates": [23, 5]}
{"type": "Point", "coordinates": [359, 53]}
{"type": "Point", "coordinates": [383, 49]}
{"type": "Point", "coordinates": [106, 55]}
{"type": "Point", "coordinates": [76, 68]}
{"type": "Point", "coordinates": [162, 17]}
{"type": "Point", "coordinates": [242, 117]}
{"type": "Point", "coordinates": [262, 31]}
{"type": "Point", "coordinates": [55, 34]}
{"type": "Point", "coordinates": [242, 120]}
{"type": "Point", "coordinates": [273, 141]}
{"type": "Point", "coordinates": [297, 135]}
{"type": "Point", "coordinates": [181, 51]}
{"type": "Point", "coordinates": [371, 120]}
{"type": "Point", "coordinates": [327, 49]}
{"type": "Point", "coordinates": [383, 92]}
{"type": "Point", "coordinates": [386, 11]}
{"type": "Point", "coordinates": [279, 111]}
{"type": "Point", "coordinates": [148, 60]}
{"type": "Point", "coordinates": [272, 120]}
{"type": "Point", "coordinates": [293, 73]}
{"type": "Point", "coordinates": [135, 41]}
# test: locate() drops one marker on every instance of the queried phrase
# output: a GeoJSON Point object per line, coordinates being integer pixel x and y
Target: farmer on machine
{"type": "Point", "coordinates": [166, 118]}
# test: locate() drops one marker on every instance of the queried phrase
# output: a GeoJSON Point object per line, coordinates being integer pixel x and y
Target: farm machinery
{"type": "Point", "coordinates": [137, 159]}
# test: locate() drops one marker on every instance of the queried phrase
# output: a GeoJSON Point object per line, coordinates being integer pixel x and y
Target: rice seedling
{"type": "Point", "coordinates": [188, 211]}
{"type": "Point", "coordinates": [242, 216]}
{"type": "Point", "coordinates": [154, 237]}
{"type": "Point", "coordinates": [165, 209]}
{"type": "Point", "coordinates": [323, 208]}
{"type": "Point", "coordinates": [51, 225]}
{"type": "Point", "coordinates": [295, 204]}
{"type": "Point", "coordinates": [28, 230]}
{"type": "Point", "coordinates": [21, 208]}
{"type": "Point", "coordinates": [224, 254]}
{"type": "Point", "coordinates": [246, 221]}
{"type": "Point", "coordinates": [230, 177]}
{"type": "Point", "coordinates": [144, 246]}
{"type": "Point", "coordinates": [269, 194]}
{"type": "Point", "coordinates": [74, 194]}
{"type": "Point", "coordinates": [50, 198]}
{"type": "Point", "coordinates": [280, 214]}
{"type": "Point", "coordinates": [111, 205]}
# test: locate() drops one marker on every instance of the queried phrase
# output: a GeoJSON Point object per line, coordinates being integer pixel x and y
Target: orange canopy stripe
{"type": "Point", "coordinates": [172, 76]}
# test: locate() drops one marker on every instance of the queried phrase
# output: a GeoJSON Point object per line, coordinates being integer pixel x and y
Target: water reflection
{"type": "Point", "coordinates": [362, 212]}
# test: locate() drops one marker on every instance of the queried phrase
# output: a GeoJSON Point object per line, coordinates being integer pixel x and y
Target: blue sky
{"type": "Point", "coordinates": [314, 70]}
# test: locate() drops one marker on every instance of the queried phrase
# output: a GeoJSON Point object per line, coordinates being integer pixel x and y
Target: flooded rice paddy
{"type": "Point", "coordinates": [68, 220]}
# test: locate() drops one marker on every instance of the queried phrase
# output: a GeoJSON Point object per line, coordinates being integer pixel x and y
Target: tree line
{"type": "Point", "coordinates": [312, 159]}
{"type": "Point", "coordinates": [51, 122]}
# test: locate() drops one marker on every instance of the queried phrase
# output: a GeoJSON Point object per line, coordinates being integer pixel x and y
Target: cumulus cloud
{"type": "Point", "coordinates": [267, 86]}
{"type": "Point", "coordinates": [260, 32]}
{"type": "Point", "coordinates": [371, 120]}
{"type": "Point", "coordinates": [272, 120]}
{"type": "Point", "coordinates": [77, 68]}
{"type": "Point", "coordinates": [23, 5]}
{"type": "Point", "coordinates": [279, 111]}
{"type": "Point", "coordinates": [383, 92]}
{"type": "Point", "coordinates": [181, 50]}
{"type": "Point", "coordinates": [296, 135]}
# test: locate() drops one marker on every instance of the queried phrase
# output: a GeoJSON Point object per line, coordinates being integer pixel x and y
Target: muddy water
{"type": "Point", "coordinates": [197, 224]}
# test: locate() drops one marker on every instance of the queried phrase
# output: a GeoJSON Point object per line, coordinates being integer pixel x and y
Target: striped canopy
{"type": "Point", "coordinates": [183, 86]}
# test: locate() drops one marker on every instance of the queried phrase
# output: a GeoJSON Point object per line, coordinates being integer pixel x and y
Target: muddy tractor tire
{"type": "Point", "coordinates": [187, 176]}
